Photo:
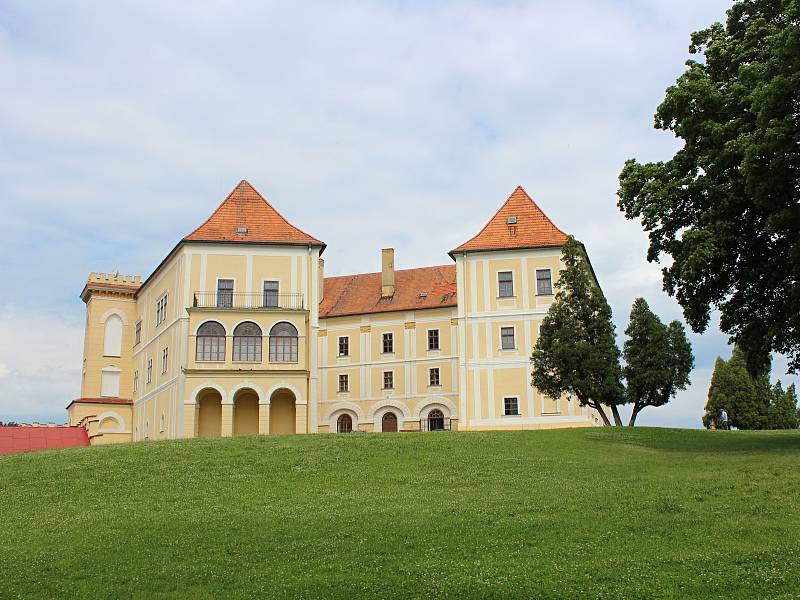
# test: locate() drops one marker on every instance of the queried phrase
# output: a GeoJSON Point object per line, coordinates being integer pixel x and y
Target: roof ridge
{"type": "Point", "coordinates": [396, 271]}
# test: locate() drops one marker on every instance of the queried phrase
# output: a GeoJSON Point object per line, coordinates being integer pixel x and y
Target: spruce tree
{"type": "Point", "coordinates": [576, 351]}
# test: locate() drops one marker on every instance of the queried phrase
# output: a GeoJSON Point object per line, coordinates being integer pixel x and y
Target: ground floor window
{"type": "Point", "coordinates": [344, 424]}
{"type": "Point", "coordinates": [435, 420]}
{"type": "Point", "coordinates": [511, 407]}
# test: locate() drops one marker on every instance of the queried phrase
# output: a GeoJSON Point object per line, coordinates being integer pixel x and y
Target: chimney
{"type": "Point", "coordinates": [321, 271]}
{"type": "Point", "coordinates": [387, 272]}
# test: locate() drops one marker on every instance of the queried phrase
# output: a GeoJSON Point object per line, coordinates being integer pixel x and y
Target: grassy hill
{"type": "Point", "coordinates": [598, 513]}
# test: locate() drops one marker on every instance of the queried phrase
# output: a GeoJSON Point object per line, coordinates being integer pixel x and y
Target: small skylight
{"type": "Point", "coordinates": [241, 230]}
{"type": "Point", "coordinates": [423, 295]}
{"type": "Point", "coordinates": [511, 220]}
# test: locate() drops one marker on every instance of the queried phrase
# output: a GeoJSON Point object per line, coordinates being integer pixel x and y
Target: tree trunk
{"type": "Point", "coordinates": [615, 412]}
{"type": "Point", "coordinates": [599, 408]}
{"type": "Point", "coordinates": [636, 408]}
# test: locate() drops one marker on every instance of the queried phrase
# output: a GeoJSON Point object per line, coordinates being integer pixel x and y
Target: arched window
{"type": "Point", "coordinates": [247, 342]}
{"type": "Point", "coordinates": [344, 424]}
{"type": "Point", "coordinates": [283, 343]}
{"type": "Point", "coordinates": [112, 341]}
{"type": "Point", "coordinates": [211, 341]}
{"type": "Point", "coordinates": [435, 420]}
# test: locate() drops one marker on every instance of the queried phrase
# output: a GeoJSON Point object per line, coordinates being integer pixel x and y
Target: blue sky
{"type": "Point", "coordinates": [123, 125]}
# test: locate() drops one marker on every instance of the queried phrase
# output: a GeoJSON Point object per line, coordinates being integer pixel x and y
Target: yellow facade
{"type": "Point", "coordinates": [226, 338]}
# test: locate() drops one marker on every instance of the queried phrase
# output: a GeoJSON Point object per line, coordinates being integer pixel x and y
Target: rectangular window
{"type": "Point", "coordinates": [505, 284]}
{"type": "Point", "coordinates": [270, 294]}
{"type": "Point", "coordinates": [507, 338]}
{"type": "Point", "coordinates": [433, 339]}
{"type": "Point", "coordinates": [344, 385]}
{"type": "Point", "coordinates": [164, 359]}
{"type": "Point", "coordinates": [388, 343]}
{"type": "Point", "coordinates": [344, 346]}
{"type": "Point", "coordinates": [135, 381]}
{"type": "Point", "coordinates": [388, 380]}
{"type": "Point", "coordinates": [138, 333]}
{"type": "Point", "coordinates": [511, 407]}
{"type": "Point", "coordinates": [433, 377]}
{"type": "Point", "coordinates": [161, 310]}
{"type": "Point", "coordinates": [544, 282]}
{"type": "Point", "coordinates": [149, 370]}
{"type": "Point", "coordinates": [225, 293]}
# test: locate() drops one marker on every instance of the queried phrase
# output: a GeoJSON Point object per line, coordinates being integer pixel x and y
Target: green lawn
{"type": "Point", "coordinates": [578, 513]}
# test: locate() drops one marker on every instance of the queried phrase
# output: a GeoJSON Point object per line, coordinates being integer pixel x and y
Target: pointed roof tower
{"type": "Point", "coordinates": [519, 223]}
{"type": "Point", "coordinates": [246, 216]}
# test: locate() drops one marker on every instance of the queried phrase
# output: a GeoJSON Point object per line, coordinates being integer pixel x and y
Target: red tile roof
{"type": "Point", "coordinates": [246, 208]}
{"type": "Point", "coordinates": [533, 228]}
{"type": "Point", "coordinates": [23, 439]}
{"type": "Point", "coordinates": [361, 294]}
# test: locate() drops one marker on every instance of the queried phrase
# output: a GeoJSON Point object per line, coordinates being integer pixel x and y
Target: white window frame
{"type": "Point", "coordinates": [161, 308]}
{"type": "Point", "coordinates": [216, 291]}
{"type": "Point", "coordinates": [339, 346]}
{"type": "Point", "coordinates": [383, 379]}
{"type": "Point", "coordinates": [438, 340]}
{"type": "Point", "coordinates": [137, 332]}
{"type": "Point", "coordinates": [438, 376]}
{"type": "Point", "coordinates": [514, 329]}
{"type": "Point", "coordinates": [164, 359]}
{"type": "Point", "coordinates": [513, 285]}
{"type": "Point", "coordinates": [536, 277]}
{"type": "Point", "coordinates": [391, 333]}
{"type": "Point", "coordinates": [505, 412]}
{"type": "Point", "coordinates": [339, 383]}
{"type": "Point", "coordinates": [149, 371]}
{"type": "Point", "coordinates": [271, 280]}
{"type": "Point", "coordinates": [136, 381]}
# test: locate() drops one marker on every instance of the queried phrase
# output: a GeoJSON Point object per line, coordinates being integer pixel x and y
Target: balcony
{"type": "Point", "coordinates": [242, 301]}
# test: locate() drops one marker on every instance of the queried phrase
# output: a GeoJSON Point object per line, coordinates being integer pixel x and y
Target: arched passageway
{"type": "Point", "coordinates": [209, 423]}
{"type": "Point", "coordinates": [282, 413]}
{"type": "Point", "coordinates": [435, 420]}
{"type": "Point", "coordinates": [245, 412]}
{"type": "Point", "coordinates": [344, 424]}
{"type": "Point", "coordinates": [389, 422]}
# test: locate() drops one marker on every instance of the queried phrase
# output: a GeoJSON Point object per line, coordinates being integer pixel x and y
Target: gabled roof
{"type": "Point", "coordinates": [361, 294]}
{"type": "Point", "coordinates": [246, 216]}
{"type": "Point", "coordinates": [533, 228]}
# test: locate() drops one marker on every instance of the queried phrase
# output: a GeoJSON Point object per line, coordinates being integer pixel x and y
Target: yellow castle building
{"type": "Point", "coordinates": [238, 332]}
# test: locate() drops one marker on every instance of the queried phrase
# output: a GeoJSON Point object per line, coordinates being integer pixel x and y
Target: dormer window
{"type": "Point", "coordinates": [511, 220]}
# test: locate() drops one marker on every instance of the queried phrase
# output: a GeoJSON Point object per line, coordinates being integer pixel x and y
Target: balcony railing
{"type": "Point", "coordinates": [233, 300]}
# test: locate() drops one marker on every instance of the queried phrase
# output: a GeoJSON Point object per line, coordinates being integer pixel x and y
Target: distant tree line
{"type": "Point", "coordinates": [751, 402]}
{"type": "Point", "coordinates": [9, 424]}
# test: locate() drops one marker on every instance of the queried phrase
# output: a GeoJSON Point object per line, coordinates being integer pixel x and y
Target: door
{"type": "Point", "coordinates": [389, 422]}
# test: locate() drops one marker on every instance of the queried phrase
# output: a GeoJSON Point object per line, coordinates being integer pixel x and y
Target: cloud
{"type": "Point", "coordinates": [366, 123]}
{"type": "Point", "coordinates": [40, 365]}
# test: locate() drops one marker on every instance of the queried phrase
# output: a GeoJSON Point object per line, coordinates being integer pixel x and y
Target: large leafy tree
{"type": "Point", "coordinates": [576, 351]}
{"type": "Point", "coordinates": [726, 206]}
{"type": "Point", "coordinates": [658, 359]}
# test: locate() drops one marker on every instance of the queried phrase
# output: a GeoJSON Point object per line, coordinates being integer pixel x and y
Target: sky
{"type": "Point", "coordinates": [366, 124]}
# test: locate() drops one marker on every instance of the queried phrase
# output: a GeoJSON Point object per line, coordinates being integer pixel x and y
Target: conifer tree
{"type": "Point", "coordinates": [658, 359]}
{"type": "Point", "coordinates": [576, 351]}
